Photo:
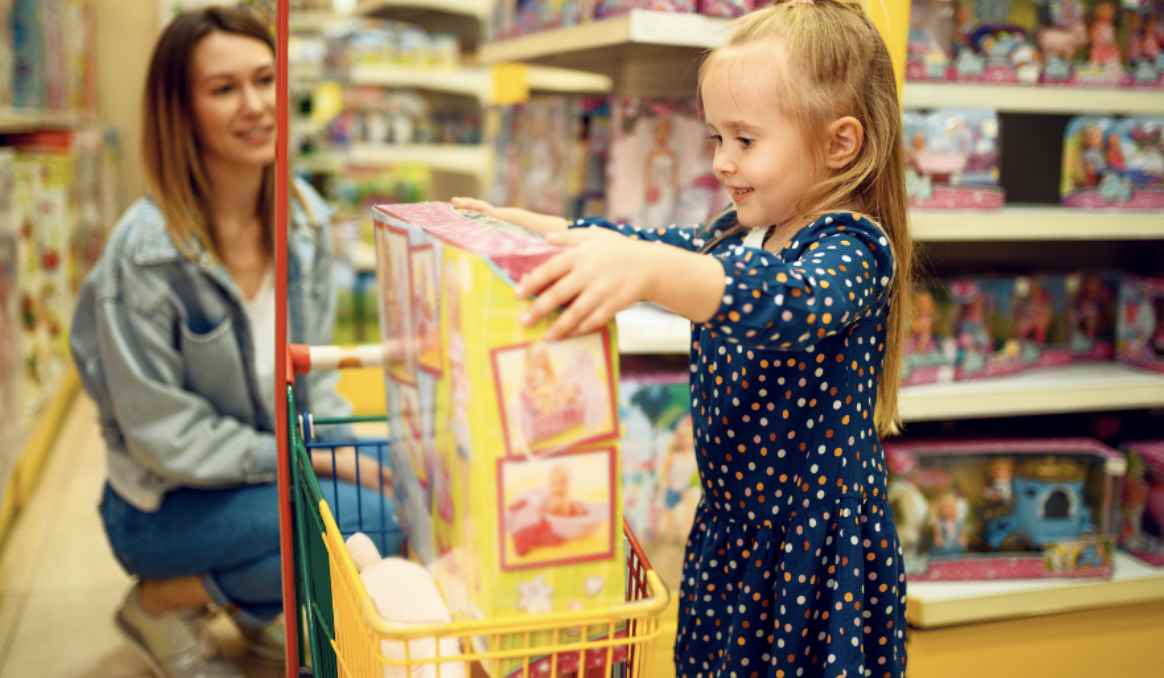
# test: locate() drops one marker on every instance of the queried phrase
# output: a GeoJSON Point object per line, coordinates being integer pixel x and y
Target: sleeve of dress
{"type": "Point", "coordinates": [841, 274]}
{"type": "Point", "coordinates": [690, 238]}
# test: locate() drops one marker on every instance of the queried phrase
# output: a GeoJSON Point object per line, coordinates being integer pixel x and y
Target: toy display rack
{"type": "Point", "coordinates": [22, 120]}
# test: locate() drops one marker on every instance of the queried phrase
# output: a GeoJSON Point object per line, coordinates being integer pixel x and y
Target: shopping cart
{"type": "Point", "coordinates": [344, 633]}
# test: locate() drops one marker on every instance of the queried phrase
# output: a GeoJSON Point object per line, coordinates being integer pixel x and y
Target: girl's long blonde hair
{"type": "Point", "coordinates": [838, 65]}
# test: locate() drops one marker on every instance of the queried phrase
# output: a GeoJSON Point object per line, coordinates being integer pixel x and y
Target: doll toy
{"type": "Point", "coordinates": [660, 177]}
{"type": "Point", "coordinates": [999, 492]}
{"type": "Point", "coordinates": [948, 524]}
{"type": "Point", "coordinates": [1092, 316]}
{"type": "Point", "coordinates": [931, 28]}
{"type": "Point", "coordinates": [971, 333]}
{"type": "Point", "coordinates": [1104, 60]}
{"type": "Point", "coordinates": [405, 593]}
{"type": "Point", "coordinates": [1060, 36]}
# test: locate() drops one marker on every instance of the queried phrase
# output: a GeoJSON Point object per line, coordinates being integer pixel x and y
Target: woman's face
{"type": "Point", "coordinates": [233, 86]}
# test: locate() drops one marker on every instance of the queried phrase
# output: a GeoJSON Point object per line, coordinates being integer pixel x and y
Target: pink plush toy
{"type": "Point", "coordinates": [405, 593]}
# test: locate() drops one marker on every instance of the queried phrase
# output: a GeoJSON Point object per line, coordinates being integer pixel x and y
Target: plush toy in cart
{"type": "Point", "coordinates": [405, 593]}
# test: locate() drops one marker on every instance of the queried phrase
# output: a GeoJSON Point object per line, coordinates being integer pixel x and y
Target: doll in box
{"type": "Point", "coordinates": [1049, 507]}
{"type": "Point", "coordinates": [660, 177]}
{"type": "Point", "coordinates": [1142, 508]}
{"type": "Point", "coordinates": [930, 352]}
{"type": "Point", "coordinates": [948, 525]}
{"type": "Point", "coordinates": [1092, 315]}
{"type": "Point", "coordinates": [970, 329]}
{"type": "Point", "coordinates": [931, 27]}
{"type": "Point", "coordinates": [1061, 36]}
{"type": "Point", "coordinates": [1140, 330]}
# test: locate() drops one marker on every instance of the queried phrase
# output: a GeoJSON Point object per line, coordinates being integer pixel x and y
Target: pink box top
{"type": "Point", "coordinates": [512, 249]}
{"type": "Point", "coordinates": [1152, 452]}
{"type": "Point", "coordinates": [902, 455]}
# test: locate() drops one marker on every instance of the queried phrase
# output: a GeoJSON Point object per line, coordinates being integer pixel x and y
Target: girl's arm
{"type": "Point", "coordinates": [687, 238]}
{"type": "Point", "coordinates": [747, 295]}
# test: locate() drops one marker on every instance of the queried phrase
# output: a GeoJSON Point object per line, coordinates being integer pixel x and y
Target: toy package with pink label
{"type": "Point", "coordinates": [952, 158]}
{"type": "Point", "coordinates": [660, 168]}
{"type": "Point", "coordinates": [506, 446]}
{"type": "Point", "coordinates": [1142, 506]}
{"type": "Point", "coordinates": [1005, 509]}
{"type": "Point", "coordinates": [1140, 327]}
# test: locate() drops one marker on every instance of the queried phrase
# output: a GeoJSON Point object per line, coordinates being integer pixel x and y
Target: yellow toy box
{"type": "Point", "coordinates": [505, 447]}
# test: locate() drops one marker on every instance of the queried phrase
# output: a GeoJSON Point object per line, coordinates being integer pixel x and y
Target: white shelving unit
{"type": "Point", "coordinates": [16, 120]}
{"type": "Point", "coordinates": [1035, 223]}
{"type": "Point", "coordinates": [470, 160]}
{"type": "Point", "coordinates": [477, 81]}
{"type": "Point", "coordinates": [937, 604]}
{"type": "Point", "coordinates": [1033, 98]}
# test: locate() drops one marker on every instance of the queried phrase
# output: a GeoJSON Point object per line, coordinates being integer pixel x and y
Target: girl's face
{"type": "Point", "coordinates": [761, 155]}
{"type": "Point", "coordinates": [233, 94]}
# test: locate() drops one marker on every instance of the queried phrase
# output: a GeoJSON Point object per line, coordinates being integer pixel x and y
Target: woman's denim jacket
{"type": "Point", "coordinates": [163, 345]}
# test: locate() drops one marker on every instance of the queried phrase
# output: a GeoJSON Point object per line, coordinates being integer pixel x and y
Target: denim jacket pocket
{"type": "Point", "coordinates": [215, 370]}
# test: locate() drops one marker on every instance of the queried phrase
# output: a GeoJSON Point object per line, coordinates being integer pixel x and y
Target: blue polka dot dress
{"type": "Point", "coordinates": [793, 567]}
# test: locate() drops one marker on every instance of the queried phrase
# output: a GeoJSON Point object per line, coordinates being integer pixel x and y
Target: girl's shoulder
{"type": "Point", "coordinates": [829, 225]}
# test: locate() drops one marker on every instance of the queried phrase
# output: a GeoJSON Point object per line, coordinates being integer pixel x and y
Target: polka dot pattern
{"type": "Point", "coordinates": [793, 566]}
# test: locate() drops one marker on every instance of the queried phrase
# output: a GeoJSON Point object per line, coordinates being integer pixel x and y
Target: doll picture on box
{"type": "Point", "coordinates": [931, 40]}
{"type": "Point", "coordinates": [952, 159]}
{"type": "Point", "coordinates": [1005, 509]}
{"type": "Point", "coordinates": [1142, 509]}
{"type": "Point", "coordinates": [1110, 163]}
{"type": "Point", "coordinates": [1140, 328]}
{"type": "Point", "coordinates": [557, 510]}
{"type": "Point", "coordinates": [555, 395]}
{"type": "Point", "coordinates": [660, 168]}
{"type": "Point", "coordinates": [1031, 323]}
{"type": "Point", "coordinates": [394, 271]}
{"type": "Point", "coordinates": [931, 351]}
{"type": "Point", "coordinates": [425, 306]}
{"type": "Point", "coordinates": [1092, 314]}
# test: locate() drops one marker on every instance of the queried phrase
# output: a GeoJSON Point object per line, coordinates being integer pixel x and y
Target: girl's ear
{"type": "Point", "coordinates": [845, 137]}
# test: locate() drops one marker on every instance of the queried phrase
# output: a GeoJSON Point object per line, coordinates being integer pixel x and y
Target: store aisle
{"type": "Point", "coordinates": [59, 583]}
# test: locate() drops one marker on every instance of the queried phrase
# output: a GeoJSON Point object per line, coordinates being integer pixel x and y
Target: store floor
{"type": "Point", "coordinates": [59, 583]}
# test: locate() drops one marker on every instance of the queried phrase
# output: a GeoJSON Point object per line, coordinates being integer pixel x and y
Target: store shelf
{"type": "Point", "coordinates": [601, 45]}
{"type": "Point", "coordinates": [1034, 223]}
{"type": "Point", "coordinates": [1075, 388]}
{"type": "Point", "coordinates": [456, 159]}
{"type": "Point", "coordinates": [646, 329]}
{"type": "Point", "coordinates": [14, 120]}
{"type": "Point", "coordinates": [1033, 98]}
{"type": "Point", "coordinates": [477, 81]}
{"type": "Point", "coordinates": [935, 604]}
{"type": "Point", "coordinates": [313, 22]}
{"type": "Point", "coordinates": [473, 8]}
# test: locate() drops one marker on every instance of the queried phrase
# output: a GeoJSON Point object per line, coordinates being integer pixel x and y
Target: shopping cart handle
{"type": "Point", "coordinates": [308, 358]}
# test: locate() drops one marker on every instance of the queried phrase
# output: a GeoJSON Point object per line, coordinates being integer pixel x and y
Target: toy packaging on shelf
{"type": "Point", "coordinates": [538, 156]}
{"type": "Point", "coordinates": [952, 159]}
{"type": "Point", "coordinates": [1029, 323]}
{"type": "Point", "coordinates": [661, 164]}
{"type": "Point", "coordinates": [609, 8]}
{"type": "Point", "coordinates": [506, 446]}
{"type": "Point", "coordinates": [930, 354]}
{"type": "Point", "coordinates": [1140, 329]}
{"type": "Point", "coordinates": [991, 45]}
{"type": "Point", "coordinates": [1114, 163]}
{"type": "Point", "coordinates": [1144, 33]}
{"type": "Point", "coordinates": [1093, 314]}
{"type": "Point", "coordinates": [929, 50]}
{"type": "Point", "coordinates": [728, 8]}
{"type": "Point", "coordinates": [659, 474]}
{"type": "Point", "coordinates": [1142, 505]}
{"type": "Point", "coordinates": [1005, 509]}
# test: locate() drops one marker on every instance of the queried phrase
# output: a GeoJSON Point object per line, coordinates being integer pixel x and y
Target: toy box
{"type": "Point", "coordinates": [992, 43]}
{"type": "Point", "coordinates": [608, 8]}
{"type": "Point", "coordinates": [952, 159]}
{"type": "Point", "coordinates": [659, 473]}
{"type": "Point", "coordinates": [1092, 313]}
{"type": "Point", "coordinates": [1140, 328]}
{"type": "Point", "coordinates": [538, 155]}
{"type": "Point", "coordinates": [1062, 38]}
{"type": "Point", "coordinates": [1144, 40]}
{"type": "Point", "coordinates": [1005, 509]}
{"type": "Point", "coordinates": [931, 351]}
{"type": "Point", "coordinates": [506, 447]}
{"type": "Point", "coordinates": [971, 328]}
{"type": "Point", "coordinates": [728, 8]}
{"type": "Point", "coordinates": [930, 46]}
{"type": "Point", "coordinates": [1114, 163]}
{"type": "Point", "coordinates": [661, 165]}
{"type": "Point", "coordinates": [1142, 506]}
{"type": "Point", "coordinates": [1030, 323]}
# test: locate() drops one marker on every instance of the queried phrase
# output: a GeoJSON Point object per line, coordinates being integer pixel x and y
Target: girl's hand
{"type": "Point", "coordinates": [542, 224]}
{"type": "Point", "coordinates": [346, 463]}
{"type": "Point", "coordinates": [600, 274]}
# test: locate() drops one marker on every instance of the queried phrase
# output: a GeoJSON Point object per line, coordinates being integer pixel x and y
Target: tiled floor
{"type": "Point", "coordinates": [59, 583]}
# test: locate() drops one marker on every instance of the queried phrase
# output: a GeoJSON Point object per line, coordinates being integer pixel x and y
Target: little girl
{"type": "Point", "coordinates": [793, 566]}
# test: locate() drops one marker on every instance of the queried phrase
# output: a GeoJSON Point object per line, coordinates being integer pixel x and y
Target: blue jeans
{"type": "Point", "coordinates": [230, 538]}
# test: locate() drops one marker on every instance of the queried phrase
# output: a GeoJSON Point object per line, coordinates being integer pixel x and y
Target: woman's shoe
{"type": "Point", "coordinates": [175, 644]}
